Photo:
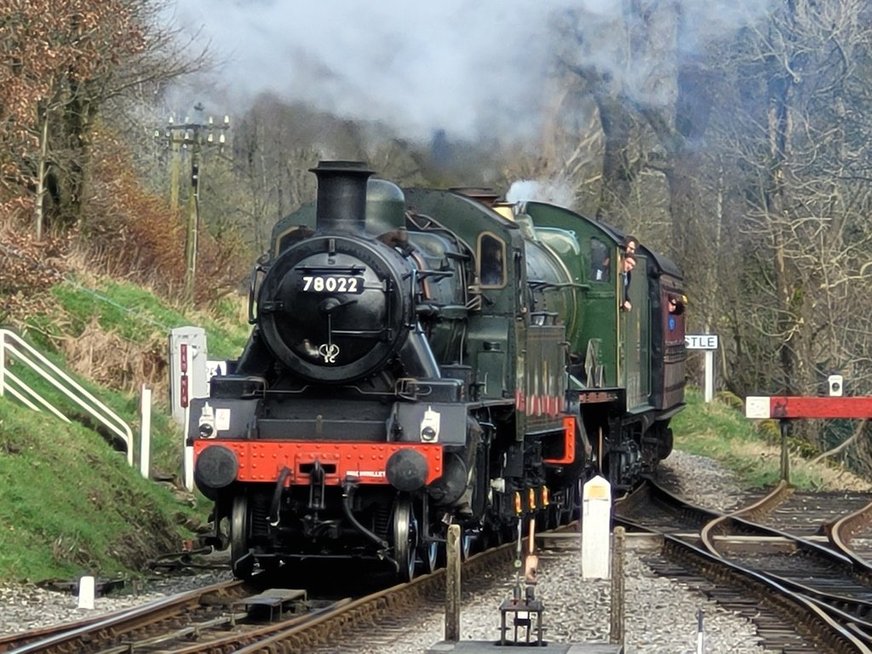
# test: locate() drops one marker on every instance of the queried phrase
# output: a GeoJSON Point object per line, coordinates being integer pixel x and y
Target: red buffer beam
{"type": "Point", "coordinates": [798, 407]}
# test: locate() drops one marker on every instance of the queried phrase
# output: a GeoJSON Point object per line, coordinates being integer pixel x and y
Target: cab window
{"type": "Point", "coordinates": [600, 261]}
{"type": "Point", "coordinates": [491, 261]}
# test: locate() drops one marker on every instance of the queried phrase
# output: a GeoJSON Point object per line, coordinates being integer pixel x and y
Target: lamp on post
{"type": "Point", "coordinates": [191, 136]}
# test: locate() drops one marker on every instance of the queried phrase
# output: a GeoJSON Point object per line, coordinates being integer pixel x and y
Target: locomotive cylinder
{"type": "Point", "coordinates": [341, 199]}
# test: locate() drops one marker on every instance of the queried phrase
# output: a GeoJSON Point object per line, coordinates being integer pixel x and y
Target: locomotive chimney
{"type": "Point", "coordinates": [341, 201]}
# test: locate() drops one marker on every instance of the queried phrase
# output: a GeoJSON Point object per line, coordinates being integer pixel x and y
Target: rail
{"type": "Point", "coordinates": [12, 344]}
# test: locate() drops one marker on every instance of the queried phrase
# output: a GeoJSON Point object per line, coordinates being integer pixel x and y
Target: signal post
{"type": "Point", "coordinates": [796, 407]}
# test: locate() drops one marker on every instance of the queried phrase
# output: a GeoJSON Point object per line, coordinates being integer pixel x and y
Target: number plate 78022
{"type": "Point", "coordinates": [332, 284]}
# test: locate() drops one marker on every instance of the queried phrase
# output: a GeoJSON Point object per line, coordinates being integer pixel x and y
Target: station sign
{"type": "Point", "coordinates": [701, 341]}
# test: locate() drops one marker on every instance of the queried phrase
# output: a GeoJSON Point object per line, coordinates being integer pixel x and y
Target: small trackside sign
{"type": "Point", "coordinates": [757, 407]}
{"type": "Point", "coordinates": [701, 341]}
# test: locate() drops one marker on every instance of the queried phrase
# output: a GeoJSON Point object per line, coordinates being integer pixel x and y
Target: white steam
{"type": "Point", "coordinates": [465, 67]}
{"type": "Point", "coordinates": [473, 69]}
{"type": "Point", "coordinates": [540, 191]}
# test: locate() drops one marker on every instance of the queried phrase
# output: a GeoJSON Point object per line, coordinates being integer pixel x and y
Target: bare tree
{"type": "Point", "coordinates": [64, 60]}
{"type": "Point", "coordinates": [763, 151]}
{"type": "Point", "coordinates": [801, 142]}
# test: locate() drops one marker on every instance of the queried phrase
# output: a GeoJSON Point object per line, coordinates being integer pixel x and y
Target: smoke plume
{"type": "Point", "coordinates": [473, 69]}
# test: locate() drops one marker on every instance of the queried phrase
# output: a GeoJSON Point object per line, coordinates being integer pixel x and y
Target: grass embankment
{"type": "Point", "coordinates": [69, 503]}
{"type": "Point", "coordinates": [750, 448]}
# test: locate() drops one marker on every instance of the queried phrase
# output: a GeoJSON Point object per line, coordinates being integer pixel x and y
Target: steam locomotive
{"type": "Point", "coordinates": [421, 357]}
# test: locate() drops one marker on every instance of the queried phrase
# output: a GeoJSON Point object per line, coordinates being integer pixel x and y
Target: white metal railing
{"type": "Point", "coordinates": [11, 343]}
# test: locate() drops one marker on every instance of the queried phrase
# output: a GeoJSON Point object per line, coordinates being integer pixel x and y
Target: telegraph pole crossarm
{"type": "Point", "coordinates": [191, 135]}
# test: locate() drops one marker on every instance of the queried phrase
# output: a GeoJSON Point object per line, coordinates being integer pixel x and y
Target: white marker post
{"type": "Point", "coordinates": [709, 343]}
{"type": "Point", "coordinates": [145, 432]}
{"type": "Point", "coordinates": [596, 523]}
{"type": "Point", "coordinates": [189, 449]}
{"type": "Point", "coordinates": [86, 593]}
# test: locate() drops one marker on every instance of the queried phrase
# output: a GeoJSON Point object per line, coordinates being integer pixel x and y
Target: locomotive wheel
{"type": "Point", "coordinates": [467, 540]}
{"type": "Point", "coordinates": [405, 537]}
{"type": "Point", "coordinates": [551, 516]}
{"type": "Point", "coordinates": [241, 559]}
{"type": "Point", "coordinates": [572, 509]}
{"type": "Point", "coordinates": [429, 555]}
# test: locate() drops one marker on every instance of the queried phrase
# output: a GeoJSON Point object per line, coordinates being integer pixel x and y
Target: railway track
{"type": "Point", "coordinates": [654, 508]}
{"type": "Point", "coordinates": [852, 534]}
{"type": "Point", "coordinates": [806, 514]}
{"type": "Point", "coordinates": [246, 618]}
{"type": "Point", "coordinates": [751, 569]}
{"type": "Point", "coordinates": [811, 569]}
{"type": "Point", "coordinates": [202, 608]}
{"type": "Point", "coordinates": [783, 582]}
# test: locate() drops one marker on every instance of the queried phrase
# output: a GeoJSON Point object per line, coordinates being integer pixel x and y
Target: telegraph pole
{"type": "Point", "coordinates": [192, 135]}
{"type": "Point", "coordinates": [175, 166]}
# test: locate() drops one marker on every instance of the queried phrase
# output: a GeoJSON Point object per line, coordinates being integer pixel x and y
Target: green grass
{"type": "Point", "coordinates": [749, 448]}
{"type": "Point", "coordinates": [137, 315]}
{"type": "Point", "coordinates": [142, 322]}
{"type": "Point", "coordinates": [70, 505]}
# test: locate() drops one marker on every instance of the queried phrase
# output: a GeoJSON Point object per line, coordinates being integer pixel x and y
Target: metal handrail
{"type": "Point", "coordinates": [15, 345]}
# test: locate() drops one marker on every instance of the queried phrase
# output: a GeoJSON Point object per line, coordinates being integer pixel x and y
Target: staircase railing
{"type": "Point", "coordinates": [12, 344]}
